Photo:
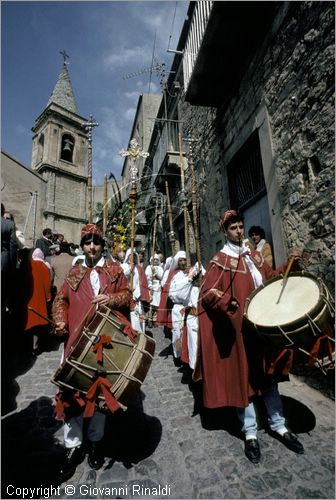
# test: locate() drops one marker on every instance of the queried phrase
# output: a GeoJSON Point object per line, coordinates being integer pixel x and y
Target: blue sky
{"type": "Point", "coordinates": [105, 40]}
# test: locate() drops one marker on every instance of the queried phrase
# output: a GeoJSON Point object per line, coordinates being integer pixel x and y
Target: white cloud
{"type": "Point", "coordinates": [130, 114]}
{"type": "Point", "coordinates": [132, 95]}
{"type": "Point", "coordinates": [124, 57]}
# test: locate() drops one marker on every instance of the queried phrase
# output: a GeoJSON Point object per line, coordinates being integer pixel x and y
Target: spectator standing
{"type": "Point", "coordinates": [257, 235]}
{"type": "Point", "coordinates": [45, 242]}
{"type": "Point", "coordinates": [9, 249]}
{"type": "Point", "coordinates": [20, 239]}
{"type": "Point", "coordinates": [60, 265]}
{"type": "Point", "coordinates": [36, 323]}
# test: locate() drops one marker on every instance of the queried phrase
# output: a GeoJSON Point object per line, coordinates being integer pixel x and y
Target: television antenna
{"type": "Point", "coordinates": [157, 67]}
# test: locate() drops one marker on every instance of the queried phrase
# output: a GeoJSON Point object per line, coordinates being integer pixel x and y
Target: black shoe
{"type": "Point", "coordinates": [37, 351]}
{"type": "Point", "coordinates": [252, 450]}
{"type": "Point", "coordinates": [291, 442]}
{"type": "Point", "coordinates": [73, 457]}
{"type": "Point", "coordinates": [177, 361]}
{"type": "Point", "coordinates": [96, 457]}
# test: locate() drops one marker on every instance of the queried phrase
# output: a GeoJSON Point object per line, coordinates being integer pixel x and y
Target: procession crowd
{"type": "Point", "coordinates": [63, 285]}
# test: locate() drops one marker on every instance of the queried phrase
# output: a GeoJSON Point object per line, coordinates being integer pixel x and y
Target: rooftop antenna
{"type": "Point", "coordinates": [157, 67]}
{"type": "Point", "coordinates": [171, 34]}
{"type": "Point", "coordinates": [152, 64]}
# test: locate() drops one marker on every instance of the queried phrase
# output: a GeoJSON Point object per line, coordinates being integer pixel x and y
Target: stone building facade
{"type": "Point", "coordinates": [23, 192]}
{"type": "Point", "coordinates": [59, 154]}
{"type": "Point", "coordinates": [262, 111]}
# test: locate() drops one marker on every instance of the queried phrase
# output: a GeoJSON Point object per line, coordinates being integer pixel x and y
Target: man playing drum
{"type": "Point", "coordinates": [232, 368]}
{"type": "Point", "coordinates": [92, 282]}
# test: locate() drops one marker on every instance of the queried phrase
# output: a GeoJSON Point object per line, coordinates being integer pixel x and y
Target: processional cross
{"type": "Point", "coordinates": [134, 152]}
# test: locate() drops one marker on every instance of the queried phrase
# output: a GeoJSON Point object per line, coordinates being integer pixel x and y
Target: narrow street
{"type": "Point", "coordinates": [162, 443]}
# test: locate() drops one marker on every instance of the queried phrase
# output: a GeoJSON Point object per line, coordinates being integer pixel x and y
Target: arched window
{"type": "Point", "coordinates": [67, 147]}
{"type": "Point", "coordinates": [40, 147]}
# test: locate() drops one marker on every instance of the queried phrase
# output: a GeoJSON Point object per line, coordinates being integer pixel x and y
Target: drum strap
{"type": "Point", "coordinates": [288, 364]}
{"type": "Point", "coordinates": [104, 341]}
{"type": "Point", "coordinates": [316, 349]}
{"type": "Point", "coordinates": [100, 386]}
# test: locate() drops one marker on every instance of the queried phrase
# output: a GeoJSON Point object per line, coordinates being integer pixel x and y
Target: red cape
{"type": "Point", "coordinates": [165, 306]}
{"type": "Point", "coordinates": [224, 365]}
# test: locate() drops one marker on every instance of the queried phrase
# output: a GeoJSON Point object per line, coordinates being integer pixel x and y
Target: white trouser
{"type": "Point", "coordinates": [192, 328]}
{"type": "Point", "coordinates": [177, 325]}
{"type": "Point", "coordinates": [73, 429]}
{"type": "Point", "coordinates": [138, 324]}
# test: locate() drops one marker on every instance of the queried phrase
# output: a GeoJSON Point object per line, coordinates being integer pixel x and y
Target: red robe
{"type": "Point", "coordinates": [144, 290]}
{"type": "Point", "coordinates": [41, 294]}
{"type": "Point", "coordinates": [165, 306]}
{"type": "Point", "coordinates": [223, 361]}
{"type": "Point", "coordinates": [72, 303]}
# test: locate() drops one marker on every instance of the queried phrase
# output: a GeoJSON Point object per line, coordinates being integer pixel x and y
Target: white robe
{"type": "Point", "coordinates": [179, 285]}
{"type": "Point", "coordinates": [154, 283]}
{"type": "Point", "coordinates": [137, 315]}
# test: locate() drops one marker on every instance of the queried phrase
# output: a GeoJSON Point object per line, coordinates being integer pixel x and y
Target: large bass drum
{"type": "Point", "coordinates": [301, 320]}
{"type": "Point", "coordinates": [124, 361]}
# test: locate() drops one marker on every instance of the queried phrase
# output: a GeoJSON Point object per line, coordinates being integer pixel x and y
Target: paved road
{"type": "Point", "coordinates": [163, 442]}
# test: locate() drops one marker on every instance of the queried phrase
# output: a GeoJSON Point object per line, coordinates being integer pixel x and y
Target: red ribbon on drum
{"type": "Point", "coordinates": [126, 327]}
{"type": "Point", "coordinates": [66, 400]}
{"type": "Point", "coordinates": [316, 350]}
{"type": "Point", "coordinates": [104, 341]}
{"type": "Point", "coordinates": [100, 386]}
{"type": "Point", "coordinates": [288, 364]}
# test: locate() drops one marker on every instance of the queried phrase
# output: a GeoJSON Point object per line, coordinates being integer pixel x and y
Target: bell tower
{"type": "Point", "coordinates": [60, 155]}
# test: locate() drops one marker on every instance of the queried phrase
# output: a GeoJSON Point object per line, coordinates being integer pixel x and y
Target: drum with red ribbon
{"type": "Point", "coordinates": [108, 363]}
{"type": "Point", "coordinates": [302, 321]}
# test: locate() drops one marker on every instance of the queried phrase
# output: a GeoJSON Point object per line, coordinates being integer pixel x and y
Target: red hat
{"type": "Point", "coordinates": [91, 229]}
{"type": "Point", "coordinates": [226, 216]}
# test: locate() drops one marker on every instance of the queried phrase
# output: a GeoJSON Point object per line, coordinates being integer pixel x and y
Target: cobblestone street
{"type": "Point", "coordinates": [165, 442]}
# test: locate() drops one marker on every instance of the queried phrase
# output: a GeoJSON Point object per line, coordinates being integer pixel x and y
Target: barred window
{"type": "Point", "coordinates": [245, 174]}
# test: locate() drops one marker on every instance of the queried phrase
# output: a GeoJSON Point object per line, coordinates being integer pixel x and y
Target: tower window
{"type": "Point", "coordinates": [67, 148]}
{"type": "Point", "coordinates": [40, 148]}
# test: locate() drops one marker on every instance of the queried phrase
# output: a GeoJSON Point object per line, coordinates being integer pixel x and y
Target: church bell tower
{"type": "Point", "coordinates": [60, 155]}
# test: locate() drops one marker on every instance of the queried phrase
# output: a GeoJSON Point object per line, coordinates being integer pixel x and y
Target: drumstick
{"type": "Point", "coordinates": [285, 278]}
{"type": "Point", "coordinates": [41, 316]}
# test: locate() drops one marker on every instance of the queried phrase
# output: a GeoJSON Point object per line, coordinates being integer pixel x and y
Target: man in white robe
{"type": "Point", "coordinates": [154, 274]}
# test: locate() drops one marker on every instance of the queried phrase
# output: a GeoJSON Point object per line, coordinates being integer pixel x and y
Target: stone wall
{"type": "Point", "coordinates": [291, 78]}
{"type": "Point", "coordinates": [18, 184]}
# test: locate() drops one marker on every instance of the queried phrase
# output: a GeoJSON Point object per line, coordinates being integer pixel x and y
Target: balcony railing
{"type": "Point", "coordinates": [194, 39]}
{"type": "Point", "coordinates": [168, 142]}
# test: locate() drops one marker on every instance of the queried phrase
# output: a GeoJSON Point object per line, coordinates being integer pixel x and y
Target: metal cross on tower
{"type": "Point", "coordinates": [88, 127]}
{"type": "Point", "coordinates": [65, 57]}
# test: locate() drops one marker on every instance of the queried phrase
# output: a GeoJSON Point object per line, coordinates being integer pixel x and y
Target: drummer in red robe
{"type": "Point", "coordinates": [93, 281]}
{"type": "Point", "coordinates": [232, 368]}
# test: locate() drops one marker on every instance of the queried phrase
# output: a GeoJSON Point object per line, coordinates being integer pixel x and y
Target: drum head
{"type": "Point", "coordinates": [301, 295]}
